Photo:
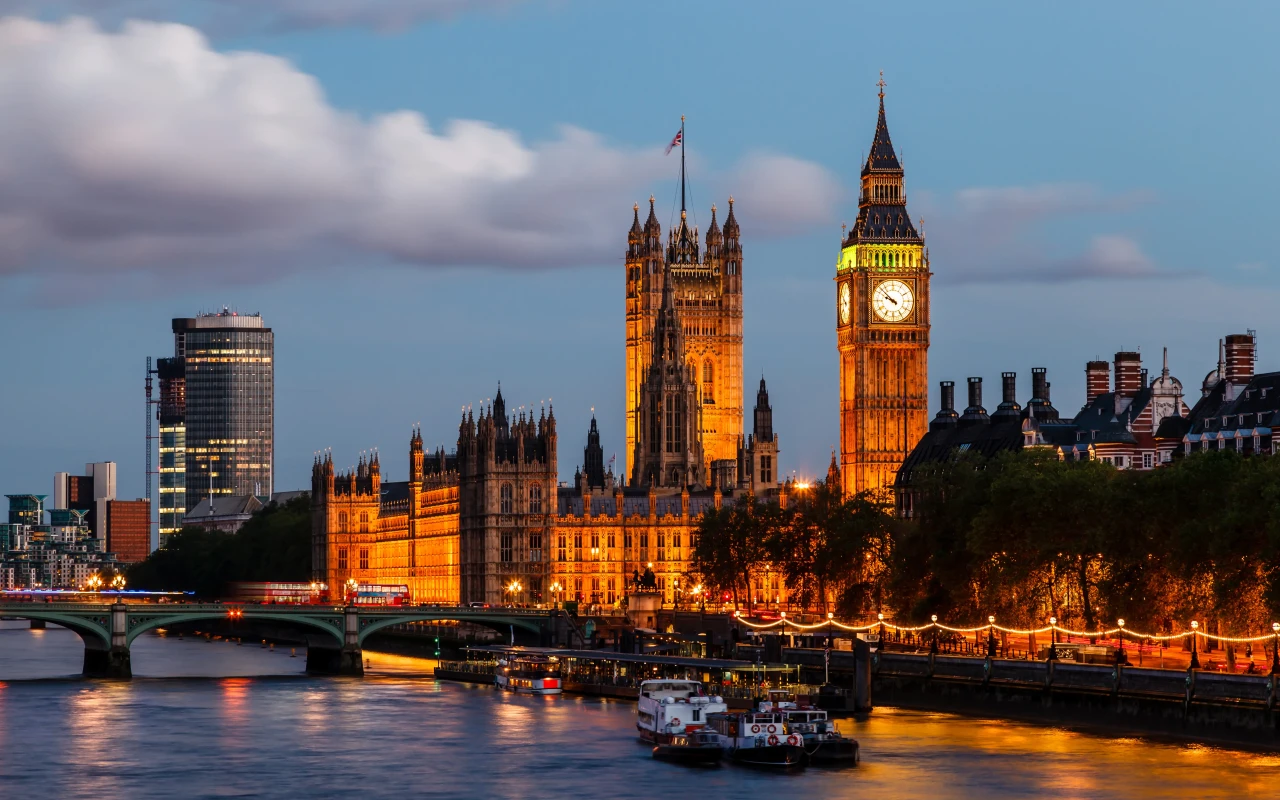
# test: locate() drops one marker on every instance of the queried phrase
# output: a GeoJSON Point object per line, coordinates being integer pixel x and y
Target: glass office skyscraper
{"type": "Point", "coordinates": [217, 412]}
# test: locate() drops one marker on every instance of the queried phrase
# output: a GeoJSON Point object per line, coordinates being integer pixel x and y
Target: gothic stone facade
{"type": "Point", "coordinates": [472, 526]}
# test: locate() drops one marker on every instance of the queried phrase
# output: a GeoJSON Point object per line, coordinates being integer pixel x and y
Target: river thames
{"type": "Point", "coordinates": [217, 720]}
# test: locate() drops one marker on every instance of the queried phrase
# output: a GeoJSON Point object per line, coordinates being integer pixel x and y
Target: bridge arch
{"type": "Point", "coordinates": [330, 624]}
{"type": "Point", "coordinates": [534, 625]}
{"type": "Point", "coordinates": [94, 629]}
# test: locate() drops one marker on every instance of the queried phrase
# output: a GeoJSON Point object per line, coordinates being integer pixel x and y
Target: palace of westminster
{"type": "Point", "coordinates": [490, 521]}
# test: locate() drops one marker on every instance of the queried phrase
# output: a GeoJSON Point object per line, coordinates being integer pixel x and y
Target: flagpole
{"type": "Point", "coordinates": [682, 162]}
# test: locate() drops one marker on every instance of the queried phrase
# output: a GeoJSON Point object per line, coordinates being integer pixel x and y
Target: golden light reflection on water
{"type": "Point", "coordinates": [904, 748]}
{"type": "Point", "coordinates": [96, 719]}
{"type": "Point", "coordinates": [234, 702]}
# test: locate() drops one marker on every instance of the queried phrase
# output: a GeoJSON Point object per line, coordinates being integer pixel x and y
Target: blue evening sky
{"type": "Point", "coordinates": [1093, 177]}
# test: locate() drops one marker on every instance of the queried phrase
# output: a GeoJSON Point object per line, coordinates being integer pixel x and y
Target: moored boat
{"type": "Point", "coordinates": [528, 674]}
{"type": "Point", "coordinates": [823, 742]}
{"type": "Point", "coordinates": [700, 747]}
{"type": "Point", "coordinates": [758, 739]}
{"type": "Point", "coordinates": [672, 707]}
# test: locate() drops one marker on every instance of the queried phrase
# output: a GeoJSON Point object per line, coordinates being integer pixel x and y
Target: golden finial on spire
{"type": "Point", "coordinates": [881, 84]}
{"type": "Point", "coordinates": [682, 213]}
{"type": "Point", "coordinates": [730, 199]}
{"type": "Point", "coordinates": [713, 208]}
{"type": "Point", "coordinates": [650, 199]}
{"type": "Point", "coordinates": [635, 207]}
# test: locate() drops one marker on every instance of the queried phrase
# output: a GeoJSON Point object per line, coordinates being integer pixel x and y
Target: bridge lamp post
{"type": "Point", "coordinates": [991, 636]}
{"type": "Point", "coordinates": [933, 645]}
{"type": "Point", "coordinates": [1120, 656]}
{"type": "Point", "coordinates": [1053, 638]}
{"type": "Point", "coordinates": [514, 589]}
{"type": "Point", "coordinates": [556, 589]}
{"type": "Point", "coordinates": [699, 599]}
{"type": "Point", "coordinates": [94, 583]}
{"type": "Point", "coordinates": [352, 586]}
{"type": "Point", "coordinates": [1195, 659]}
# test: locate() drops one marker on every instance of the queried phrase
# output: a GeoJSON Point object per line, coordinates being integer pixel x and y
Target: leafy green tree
{"type": "Point", "coordinates": [274, 545]}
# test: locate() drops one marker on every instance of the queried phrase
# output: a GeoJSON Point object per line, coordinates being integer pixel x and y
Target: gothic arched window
{"type": "Point", "coordinates": [535, 499]}
{"type": "Point", "coordinates": [364, 521]}
{"type": "Point", "coordinates": [708, 381]}
{"type": "Point", "coordinates": [342, 521]}
{"type": "Point", "coordinates": [504, 499]}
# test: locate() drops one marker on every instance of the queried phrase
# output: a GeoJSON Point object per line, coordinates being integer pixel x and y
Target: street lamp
{"type": "Point", "coordinates": [1275, 649]}
{"type": "Point", "coordinates": [991, 636]}
{"type": "Point", "coordinates": [353, 586]}
{"type": "Point", "coordinates": [1120, 657]}
{"type": "Point", "coordinates": [117, 582]}
{"type": "Point", "coordinates": [880, 617]}
{"type": "Point", "coordinates": [1195, 659]}
{"type": "Point", "coordinates": [1053, 638]}
{"type": "Point", "coordinates": [556, 588]}
{"type": "Point", "coordinates": [94, 583]}
{"type": "Point", "coordinates": [933, 646]}
{"type": "Point", "coordinates": [514, 589]}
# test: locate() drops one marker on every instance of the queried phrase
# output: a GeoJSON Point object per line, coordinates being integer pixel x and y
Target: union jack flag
{"type": "Point", "coordinates": [678, 141]}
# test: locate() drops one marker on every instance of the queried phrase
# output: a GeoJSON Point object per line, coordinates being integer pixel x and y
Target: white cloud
{"type": "Point", "coordinates": [995, 234]}
{"type": "Point", "coordinates": [244, 15]}
{"type": "Point", "coordinates": [147, 149]}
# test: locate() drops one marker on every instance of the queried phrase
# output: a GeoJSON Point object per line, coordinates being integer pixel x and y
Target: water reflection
{"type": "Point", "coordinates": [396, 733]}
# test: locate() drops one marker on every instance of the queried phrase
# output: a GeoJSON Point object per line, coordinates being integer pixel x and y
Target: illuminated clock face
{"type": "Point", "coordinates": [892, 301]}
{"type": "Point", "coordinates": [846, 303]}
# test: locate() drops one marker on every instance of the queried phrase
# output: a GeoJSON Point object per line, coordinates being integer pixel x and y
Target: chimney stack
{"type": "Point", "coordinates": [975, 394]}
{"type": "Point", "coordinates": [1039, 384]}
{"type": "Point", "coordinates": [1097, 380]}
{"type": "Point", "coordinates": [946, 416]}
{"type": "Point", "coordinates": [1143, 382]}
{"type": "Point", "coordinates": [975, 414]}
{"type": "Point", "coordinates": [1239, 357]}
{"type": "Point", "coordinates": [1009, 410]}
{"type": "Point", "coordinates": [1128, 365]}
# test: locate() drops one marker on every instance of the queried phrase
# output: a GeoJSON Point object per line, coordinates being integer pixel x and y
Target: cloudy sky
{"type": "Point", "coordinates": [424, 197]}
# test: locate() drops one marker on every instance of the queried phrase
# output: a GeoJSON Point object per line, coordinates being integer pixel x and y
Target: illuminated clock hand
{"type": "Point", "coordinates": [889, 297]}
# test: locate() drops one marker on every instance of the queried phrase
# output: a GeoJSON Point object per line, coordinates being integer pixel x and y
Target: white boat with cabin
{"type": "Point", "coordinates": [669, 707]}
{"type": "Point", "coordinates": [529, 674]}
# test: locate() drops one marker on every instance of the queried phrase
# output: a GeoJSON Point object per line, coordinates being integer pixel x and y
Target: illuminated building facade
{"type": "Point", "coordinates": [216, 413]}
{"type": "Point", "coordinates": [882, 325]}
{"type": "Point", "coordinates": [172, 463]}
{"type": "Point", "coordinates": [705, 282]}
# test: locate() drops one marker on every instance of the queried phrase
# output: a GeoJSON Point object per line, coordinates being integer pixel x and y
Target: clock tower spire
{"type": "Point", "coordinates": [882, 324]}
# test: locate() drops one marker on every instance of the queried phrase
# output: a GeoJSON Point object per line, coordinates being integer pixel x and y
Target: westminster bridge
{"type": "Point", "coordinates": [335, 634]}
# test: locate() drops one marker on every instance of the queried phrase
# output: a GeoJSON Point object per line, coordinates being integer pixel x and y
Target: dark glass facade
{"type": "Point", "coordinates": [228, 401]}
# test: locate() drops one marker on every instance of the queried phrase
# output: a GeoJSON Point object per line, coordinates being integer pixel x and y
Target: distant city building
{"type": "Point", "coordinates": [61, 554]}
{"type": "Point", "coordinates": [1126, 421]}
{"type": "Point", "coordinates": [172, 464]}
{"type": "Point", "coordinates": [129, 530]}
{"type": "Point", "coordinates": [89, 492]}
{"type": "Point", "coordinates": [225, 514]}
{"type": "Point", "coordinates": [216, 413]}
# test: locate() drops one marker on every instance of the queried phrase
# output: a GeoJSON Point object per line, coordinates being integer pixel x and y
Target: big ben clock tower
{"type": "Point", "coordinates": [882, 326]}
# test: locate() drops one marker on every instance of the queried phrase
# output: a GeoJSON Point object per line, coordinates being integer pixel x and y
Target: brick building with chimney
{"type": "Point", "coordinates": [1128, 420]}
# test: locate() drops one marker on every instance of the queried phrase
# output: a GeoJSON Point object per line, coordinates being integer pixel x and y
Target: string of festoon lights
{"type": "Point", "coordinates": [991, 625]}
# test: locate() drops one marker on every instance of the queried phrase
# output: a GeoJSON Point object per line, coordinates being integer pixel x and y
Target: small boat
{"type": "Point", "coordinates": [758, 739]}
{"type": "Point", "coordinates": [700, 747]}
{"type": "Point", "coordinates": [528, 674]}
{"type": "Point", "coordinates": [672, 707]}
{"type": "Point", "coordinates": [823, 742]}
